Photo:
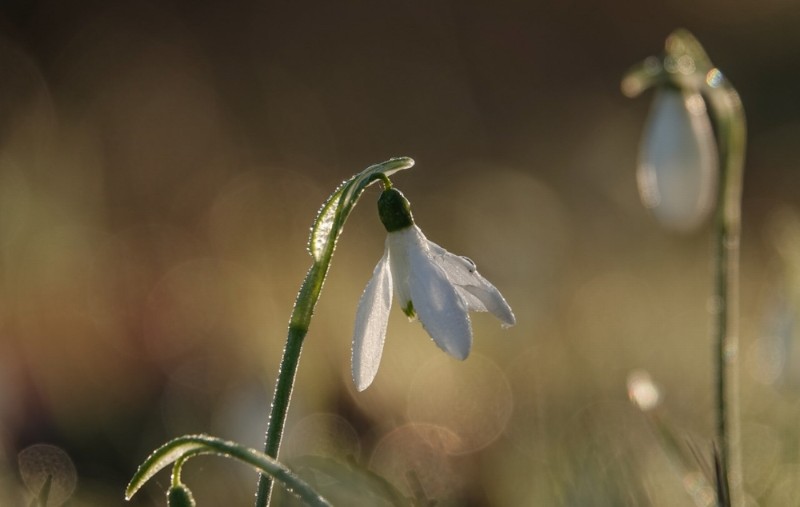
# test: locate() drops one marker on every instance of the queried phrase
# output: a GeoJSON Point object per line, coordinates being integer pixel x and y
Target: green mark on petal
{"type": "Point", "coordinates": [409, 310]}
{"type": "Point", "coordinates": [331, 217]}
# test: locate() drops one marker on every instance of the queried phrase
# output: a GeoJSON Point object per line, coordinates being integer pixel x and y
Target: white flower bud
{"type": "Point", "coordinates": [678, 167]}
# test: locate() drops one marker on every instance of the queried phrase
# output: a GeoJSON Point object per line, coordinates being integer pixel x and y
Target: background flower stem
{"type": "Point", "coordinates": [725, 107]}
{"type": "Point", "coordinates": [731, 133]}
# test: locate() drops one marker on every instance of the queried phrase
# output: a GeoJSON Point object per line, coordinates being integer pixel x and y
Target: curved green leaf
{"type": "Point", "coordinates": [193, 445]}
{"type": "Point", "coordinates": [333, 213]}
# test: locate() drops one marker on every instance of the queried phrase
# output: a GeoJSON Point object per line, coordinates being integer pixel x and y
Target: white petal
{"type": "Point", "coordinates": [399, 243]}
{"type": "Point", "coordinates": [441, 310]}
{"type": "Point", "coordinates": [372, 318]}
{"type": "Point", "coordinates": [478, 293]}
{"type": "Point", "coordinates": [493, 301]}
{"type": "Point", "coordinates": [677, 172]}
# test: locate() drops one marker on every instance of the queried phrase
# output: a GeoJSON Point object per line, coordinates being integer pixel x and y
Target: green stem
{"type": "Point", "coordinates": [298, 327]}
{"type": "Point", "coordinates": [177, 468]}
{"type": "Point", "coordinates": [324, 233]}
{"type": "Point", "coordinates": [731, 135]}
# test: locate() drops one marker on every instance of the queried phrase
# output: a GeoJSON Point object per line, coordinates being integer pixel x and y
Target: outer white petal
{"type": "Point", "coordinates": [372, 318]}
{"type": "Point", "coordinates": [442, 311]}
{"type": "Point", "coordinates": [478, 293]}
{"type": "Point", "coordinates": [677, 172]}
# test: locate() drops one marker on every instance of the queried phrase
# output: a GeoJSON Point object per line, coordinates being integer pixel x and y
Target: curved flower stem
{"type": "Point", "coordinates": [324, 234]}
{"type": "Point", "coordinates": [729, 113]}
{"type": "Point", "coordinates": [177, 468]}
{"type": "Point", "coordinates": [686, 65]}
{"type": "Point", "coordinates": [298, 327]}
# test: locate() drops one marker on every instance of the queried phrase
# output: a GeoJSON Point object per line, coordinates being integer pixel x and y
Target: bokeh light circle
{"type": "Point", "coordinates": [471, 398]}
{"type": "Point", "coordinates": [415, 459]}
{"type": "Point", "coordinates": [40, 461]}
{"type": "Point", "coordinates": [322, 434]}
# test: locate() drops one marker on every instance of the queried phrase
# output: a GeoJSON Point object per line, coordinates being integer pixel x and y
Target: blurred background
{"type": "Point", "coordinates": [160, 166]}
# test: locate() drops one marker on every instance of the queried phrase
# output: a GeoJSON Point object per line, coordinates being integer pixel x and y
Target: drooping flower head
{"type": "Point", "coordinates": [430, 283]}
{"type": "Point", "coordinates": [677, 171]}
{"type": "Point", "coordinates": [679, 166]}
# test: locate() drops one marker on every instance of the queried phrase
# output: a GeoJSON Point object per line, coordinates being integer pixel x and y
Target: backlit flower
{"type": "Point", "coordinates": [678, 165]}
{"type": "Point", "coordinates": [430, 283]}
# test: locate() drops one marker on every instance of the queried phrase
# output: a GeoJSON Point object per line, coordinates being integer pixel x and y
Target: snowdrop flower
{"type": "Point", "coordinates": [677, 173]}
{"type": "Point", "coordinates": [429, 282]}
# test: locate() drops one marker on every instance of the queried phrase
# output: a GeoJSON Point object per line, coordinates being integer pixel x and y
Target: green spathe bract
{"type": "Point", "coordinates": [333, 213]}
